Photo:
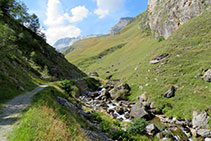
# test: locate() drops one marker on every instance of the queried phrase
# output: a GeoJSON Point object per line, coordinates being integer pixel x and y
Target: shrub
{"type": "Point", "coordinates": [92, 83]}
{"type": "Point", "coordinates": [121, 135]}
{"type": "Point", "coordinates": [137, 126]}
{"type": "Point", "coordinates": [105, 125]}
{"type": "Point", "coordinates": [96, 116]}
{"type": "Point", "coordinates": [117, 123]}
{"type": "Point", "coordinates": [161, 39]}
{"type": "Point", "coordinates": [66, 85]}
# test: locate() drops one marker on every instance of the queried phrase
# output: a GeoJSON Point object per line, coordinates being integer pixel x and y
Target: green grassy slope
{"type": "Point", "coordinates": [28, 60]}
{"type": "Point", "coordinates": [46, 120]}
{"type": "Point", "coordinates": [189, 50]}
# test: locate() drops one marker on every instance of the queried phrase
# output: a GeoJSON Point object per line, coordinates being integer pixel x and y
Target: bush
{"type": "Point", "coordinates": [161, 39]}
{"type": "Point", "coordinates": [92, 83]}
{"type": "Point", "coordinates": [96, 116]}
{"type": "Point", "coordinates": [105, 125]}
{"type": "Point", "coordinates": [66, 85]}
{"type": "Point", "coordinates": [121, 135]}
{"type": "Point", "coordinates": [137, 126]}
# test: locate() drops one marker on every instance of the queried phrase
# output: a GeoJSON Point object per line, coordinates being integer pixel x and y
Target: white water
{"type": "Point", "coordinates": [112, 106]}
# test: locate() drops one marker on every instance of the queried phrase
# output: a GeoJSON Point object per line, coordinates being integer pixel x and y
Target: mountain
{"type": "Point", "coordinates": [151, 81]}
{"type": "Point", "coordinates": [165, 16]}
{"type": "Point", "coordinates": [64, 43]}
{"type": "Point", "coordinates": [178, 58]}
{"type": "Point", "coordinates": [122, 23]}
{"type": "Point", "coordinates": [26, 60]}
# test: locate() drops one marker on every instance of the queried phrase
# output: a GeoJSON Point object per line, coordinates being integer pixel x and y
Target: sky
{"type": "Point", "coordinates": [72, 18]}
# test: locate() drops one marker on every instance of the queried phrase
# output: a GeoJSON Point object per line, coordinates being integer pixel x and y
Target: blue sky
{"type": "Point", "coordinates": [71, 18]}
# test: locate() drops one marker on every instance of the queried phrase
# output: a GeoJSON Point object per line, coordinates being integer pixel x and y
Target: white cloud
{"type": "Point", "coordinates": [78, 14]}
{"type": "Point", "coordinates": [54, 13]}
{"type": "Point", "coordinates": [101, 13]}
{"type": "Point", "coordinates": [58, 32]}
{"type": "Point", "coordinates": [107, 6]}
{"type": "Point", "coordinates": [60, 24]}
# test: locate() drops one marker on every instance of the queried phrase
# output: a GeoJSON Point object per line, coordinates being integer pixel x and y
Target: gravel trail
{"type": "Point", "coordinates": [12, 110]}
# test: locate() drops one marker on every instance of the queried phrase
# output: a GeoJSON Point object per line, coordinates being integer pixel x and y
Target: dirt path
{"type": "Point", "coordinates": [11, 111]}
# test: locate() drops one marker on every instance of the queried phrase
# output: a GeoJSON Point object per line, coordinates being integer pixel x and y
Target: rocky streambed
{"type": "Point", "coordinates": [101, 101]}
{"type": "Point", "coordinates": [172, 128]}
{"type": "Point", "coordinates": [111, 99]}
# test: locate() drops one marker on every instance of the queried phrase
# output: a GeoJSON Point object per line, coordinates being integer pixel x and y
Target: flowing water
{"type": "Point", "coordinates": [176, 133]}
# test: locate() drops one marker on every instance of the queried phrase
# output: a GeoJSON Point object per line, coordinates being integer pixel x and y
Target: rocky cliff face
{"type": "Point", "coordinates": [122, 23]}
{"type": "Point", "coordinates": [166, 16]}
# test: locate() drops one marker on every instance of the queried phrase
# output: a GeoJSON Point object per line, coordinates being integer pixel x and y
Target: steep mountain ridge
{"type": "Point", "coordinates": [166, 16]}
{"type": "Point", "coordinates": [121, 24]}
{"type": "Point", "coordinates": [64, 43]}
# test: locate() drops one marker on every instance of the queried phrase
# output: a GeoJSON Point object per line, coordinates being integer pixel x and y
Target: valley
{"type": "Point", "coordinates": [149, 78]}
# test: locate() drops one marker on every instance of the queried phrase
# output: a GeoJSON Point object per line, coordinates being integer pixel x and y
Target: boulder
{"type": "Point", "coordinates": [193, 132]}
{"type": "Point", "coordinates": [67, 104]}
{"type": "Point", "coordinates": [120, 92]}
{"type": "Point", "coordinates": [154, 61]}
{"type": "Point", "coordinates": [109, 77]}
{"type": "Point", "coordinates": [124, 86]}
{"type": "Point", "coordinates": [200, 121]}
{"type": "Point", "coordinates": [127, 115]}
{"type": "Point", "coordinates": [159, 58]}
{"type": "Point", "coordinates": [113, 93]}
{"type": "Point", "coordinates": [110, 111]}
{"type": "Point", "coordinates": [205, 133]}
{"type": "Point", "coordinates": [151, 129]}
{"type": "Point", "coordinates": [137, 111]}
{"type": "Point", "coordinates": [94, 94]}
{"type": "Point", "coordinates": [159, 135]}
{"type": "Point", "coordinates": [71, 107]}
{"type": "Point", "coordinates": [170, 93]}
{"type": "Point", "coordinates": [119, 110]}
{"type": "Point", "coordinates": [142, 97]}
{"type": "Point", "coordinates": [152, 105]}
{"type": "Point", "coordinates": [94, 74]}
{"type": "Point", "coordinates": [207, 76]}
{"type": "Point", "coordinates": [106, 93]}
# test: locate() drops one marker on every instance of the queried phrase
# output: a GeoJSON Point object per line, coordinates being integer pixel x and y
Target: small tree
{"type": "Point", "coordinates": [137, 126]}
{"type": "Point", "coordinates": [19, 12]}
{"type": "Point", "coordinates": [34, 24]}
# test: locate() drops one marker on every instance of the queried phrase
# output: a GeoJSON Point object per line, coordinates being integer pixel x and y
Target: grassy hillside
{"type": "Point", "coordinates": [46, 120]}
{"type": "Point", "coordinates": [26, 60]}
{"type": "Point", "coordinates": [189, 54]}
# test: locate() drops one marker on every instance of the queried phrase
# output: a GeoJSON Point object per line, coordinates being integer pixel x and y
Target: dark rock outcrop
{"type": "Point", "coordinates": [94, 74]}
{"type": "Point", "coordinates": [94, 136]}
{"type": "Point", "coordinates": [170, 93]}
{"type": "Point", "coordinates": [73, 109]}
{"type": "Point", "coordinates": [159, 58]}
